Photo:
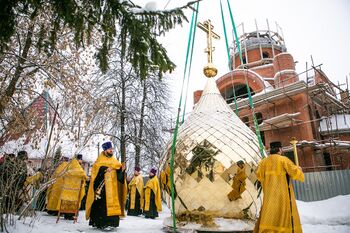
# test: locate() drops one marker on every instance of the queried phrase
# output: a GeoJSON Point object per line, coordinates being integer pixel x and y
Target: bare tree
{"type": "Point", "coordinates": [31, 64]}
{"type": "Point", "coordinates": [153, 116]}
{"type": "Point", "coordinates": [39, 24]}
{"type": "Point", "coordinates": [136, 110]}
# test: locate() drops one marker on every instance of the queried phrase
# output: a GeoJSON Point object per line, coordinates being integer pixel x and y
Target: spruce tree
{"type": "Point", "coordinates": [136, 29]}
{"type": "Point", "coordinates": [103, 22]}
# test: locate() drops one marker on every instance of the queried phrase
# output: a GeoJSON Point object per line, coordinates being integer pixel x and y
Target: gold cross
{"type": "Point", "coordinates": [208, 28]}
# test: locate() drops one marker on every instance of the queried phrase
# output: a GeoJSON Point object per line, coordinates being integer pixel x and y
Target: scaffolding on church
{"type": "Point", "coordinates": [327, 103]}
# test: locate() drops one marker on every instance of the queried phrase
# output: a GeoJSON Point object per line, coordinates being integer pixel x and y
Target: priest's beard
{"type": "Point", "coordinates": [109, 154]}
{"type": "Point", "coordinates": [151, 176]}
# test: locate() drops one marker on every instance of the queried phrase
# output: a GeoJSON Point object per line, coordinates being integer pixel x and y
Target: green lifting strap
{"type": "Point", "coordinates": [228, 55]}
{"type": "Point", "coordinates": [257, 131]}
{"type": "Point", "coordinates": [190, 65]}
{"type": "Point", "coordinates": [173, 147]}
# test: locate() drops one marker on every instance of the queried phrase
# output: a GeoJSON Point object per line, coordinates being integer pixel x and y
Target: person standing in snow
{"type": "Point", "coordinates": [135, 193]}
{"type": "Point", "coordinates": [152, 196]}
{"type": "Point", "coordinates": [279, 211]}
{"type": "Point", "coordinates": [33, 183]}
{"type": "Point", "coordinates": [52, 193]}
{"type": "Point", "coordinates": [68, 190]}
{"type": "Point", "coordinates": [105, 202]}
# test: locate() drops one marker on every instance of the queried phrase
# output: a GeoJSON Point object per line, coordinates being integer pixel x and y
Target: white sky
{"type": "Point", "coordinates": [314, 27]}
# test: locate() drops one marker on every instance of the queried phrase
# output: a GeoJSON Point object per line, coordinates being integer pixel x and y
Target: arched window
{"type": "Point", "coordinates": [265, 54]}
{"type": "Point", "coordinates": [259, 117]}
{"type": "Point", "coordinates": [240, 91]}
{"type": "Point", "coordinates": [327, 161]}
{"type": "Point", "coordinates": [246, 120]}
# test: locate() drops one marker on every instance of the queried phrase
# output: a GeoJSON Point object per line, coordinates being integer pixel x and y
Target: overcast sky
{"type": "Point", "coordinates": [310, 27]}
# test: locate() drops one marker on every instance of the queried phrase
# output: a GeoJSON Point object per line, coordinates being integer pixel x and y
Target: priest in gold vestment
{"type": "Point", "coordinates": [279, 211]}
{"type": "Point", "coordinates": [106, 197]}
{"type": "Point", "coordinates": [135, 193]}
{"type": "Point", "coordinates": [152, 196]}
{"type": "Point", "coordinates": [69, 186]}
{"type": "Point", "coordinates": [53, 192]}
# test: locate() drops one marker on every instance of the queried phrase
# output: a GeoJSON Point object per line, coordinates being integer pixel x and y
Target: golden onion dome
{"type": "Point", "coordinates": [209, 144]}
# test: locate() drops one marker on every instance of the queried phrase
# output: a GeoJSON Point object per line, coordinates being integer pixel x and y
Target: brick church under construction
{"type": "Point", "coordinates": [315, 111]}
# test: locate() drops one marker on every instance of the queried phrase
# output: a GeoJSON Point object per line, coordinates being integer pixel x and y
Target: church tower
{"type": "Point", "coordinates": [264, 51]}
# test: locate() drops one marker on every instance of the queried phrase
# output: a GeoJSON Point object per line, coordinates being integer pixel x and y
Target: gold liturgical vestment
{"type": "Point", "coordinates": [136, 184]}
{"type": "Point", "coordinates": [115, 191]}
{"type": "Point", "coordinates": [54, 191]}
{"type": "Point", "coordinates": [152, 184]}
{"type": "Point", "coordinates": [279, 211]}
{"type": "Point", "coordinates": [69, 186]}
{"type": "Point", "coordinates": [35, 179]}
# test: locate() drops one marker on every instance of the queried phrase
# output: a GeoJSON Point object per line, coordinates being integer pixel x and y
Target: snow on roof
{"type": "Point", "coordinates": [69, 148]}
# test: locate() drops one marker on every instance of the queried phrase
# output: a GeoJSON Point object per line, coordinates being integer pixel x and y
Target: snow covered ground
{"type": "Point", "coordinates": [331, 216]}
{"type": "Point", "coordinates": [47, 224]}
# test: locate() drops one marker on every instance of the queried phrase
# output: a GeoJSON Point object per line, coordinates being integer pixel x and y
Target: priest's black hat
{"type": "Point", "coordinates": [275, 145]}
{"type": "Point", "coordinates": [79, 157]}
{"type": "Point", "coordinates": [107, 145]}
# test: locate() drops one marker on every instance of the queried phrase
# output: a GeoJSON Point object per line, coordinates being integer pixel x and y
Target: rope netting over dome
{"type": "Point", "coordinates": [213, 120]}
{"type": "Point", "coordinates": [209, 144]}
{"type": "Point", "coordinates": [209, 168]}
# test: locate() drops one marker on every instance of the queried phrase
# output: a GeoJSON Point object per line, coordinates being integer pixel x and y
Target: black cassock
{"type": "Point", "coordinates": [98, 214]}
{"type": "Point", "coordinates": [137, 209]}
{"type": "Point", "coordinates": [152, 212]}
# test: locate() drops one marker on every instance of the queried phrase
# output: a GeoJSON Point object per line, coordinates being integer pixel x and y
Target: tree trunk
{"type": "Point", "coordinates": [122, 116]}
{"type": "Point", "coordinates": [142, 116]}
{"type": "Point", "coordinates": [10, 90]}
